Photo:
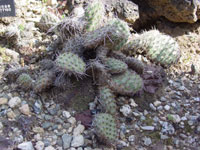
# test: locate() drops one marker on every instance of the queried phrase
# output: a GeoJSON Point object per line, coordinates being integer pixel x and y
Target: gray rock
{"type": "Point", "coordinates": [39, 145]}
{"type": "Point", "coordinates": [46, 125]}
{"type": "Point", "coordinates": [125, 110]}
{"type": "Point", "coordinates": [13, 102]}
{"type": "Point", "coordinates": [167, 128]}
{"type": "Point", "coordinates": [152, 107]}
{"type": "Point", "coordinates": [77, 141]}
{"type": "Point", "coordinates": [78, 130]}
{"type": "Point", "coordinates": [147, 141]}
{"type": "Point", "coordinates": [131, 138]}
{"type": "Point", "coordinates": [37, 107]}
{"type": "Point", "coordinates": [66, 138]}
{"type": "Point", "coordinates": [167, 107]}
{"type": "Point", "coordinates": [26, 146]}
{"type": "Point", "coordinates": [148, 128]}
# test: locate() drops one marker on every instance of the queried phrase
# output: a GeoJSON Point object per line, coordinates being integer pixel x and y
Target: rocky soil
{"type": "Point", "coordinates": [166, 120]}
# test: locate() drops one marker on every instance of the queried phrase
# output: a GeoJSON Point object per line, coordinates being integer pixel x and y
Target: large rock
{"type": "Point", "coordinates": [173, 10]}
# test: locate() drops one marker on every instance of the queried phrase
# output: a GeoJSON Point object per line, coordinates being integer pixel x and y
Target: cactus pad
{"type": "Point", "coordinates": [25, 81]}
{"type": "Point", "coordinates": [115, 66]}
{"type": "Point", "coordinates": [71, 63]}
{"type": "Point", "coordinates": [127, 83]}
{"type": "Point", "coordinates": [44, 81]}
{"type": "Point", "coordinates": [106, 128]}
{"type": "Point", "coordinates": [94, 15]}
{"type": "Point", "coordinates": [107, 99]}
{"type": "Point", "coordinates": [159, 48]}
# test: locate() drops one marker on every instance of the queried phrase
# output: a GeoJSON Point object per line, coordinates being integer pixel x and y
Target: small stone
{"type": "Point", "coordinates": [46, 125]}
{"type": "Point", "coordinates": [167, 107]}
{"type": "Point", "coordinates": [25, 109]}
{"type": "Point", "coordinates": [157, 103]}
{"type": "Point", "coordinates": [77, 141]}
{"type": "Point", "coordinates": [50, 148]}
{"type": "Point", "coordinates": [37, 107]}
{"type": "Point", "coordinates": [147, 128]}
{"type": "Point", "coordinates": [26, 146]}
{"type": "Point", "coordinates": [13, 102]}
{"type": "Point", "coordinates": [72, 120]}
{"type": "Point", "coordinates": [66, 114]}
{"type": "Point", "coordinates": [1, 125]}
{"type": "Point", "coordinates": [3, 101]}
{"type": "Point", "coordinates": [125, 110]}
{"type": "Point", "coordinates": [147, 141]}
{"type": "Point", "coordinates": [159, 108]}
{"type": "Point", "coordinates": [80, 148]}
{"type": "Point", "coordinates": [183, 118]}
{"type": "Point", "coordinates": [78, 130]}
{"type": "Point", "coordinates": [163, 99]}
{"type": "Point", "coordinates": [163, 137]}
{"type": "Point", "coordinates": [66, 138]}
{"type": "Point", "coordinates": [167, 128]}
{"type": "Point", "coordinates": [176, 118]}
{"type": "Point", "coordinates": [133, 104]}
{"type": "Point", "coordinates": [152, 107]}
{"type": "Point", "coordinates": [11, 114]}
{"type": "Point", "coordinates": [39, 145]}
{"type": "Point", "coordinates": [38, 130]}
{"type": "Point", "coordinates": [131, 138]}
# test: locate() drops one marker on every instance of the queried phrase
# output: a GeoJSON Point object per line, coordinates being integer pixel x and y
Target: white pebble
{"type": "Point", "coordinates": [167, 107]}
{"type": "Point", "coordinates": [66, 114]}
{"type": "Point", "coordinates": [26, 146]}
{"type": "Point", "coordinates": [39, 145]}
{"type": "Point", "coordinates": [77, 141]}
{"type": "Point", "coordinates": [78, 130]}
{"type": "Point", "coordinates": [125, 110]}
{"type": "Point", "coordinates": [13, 102]}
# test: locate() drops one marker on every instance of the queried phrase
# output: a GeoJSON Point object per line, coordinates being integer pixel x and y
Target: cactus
{"type": "Point", "coordinates": [121, 35]}
{"type": "Point", "coordinates": [94, 15]}
{"type": "Point", "coordinates": [107, 99]}
{"type": "Point", "coordinates": [44, 81]}
{"type": "Point", "coordinates": [159, 48]}
{"type": "Point", "coordinates": [71, 64]}
{"type": "Point", "coordinates": [113, 36]}
{"type": "Point", "coordinates": [25, 81]}
{"type": "Point", "coordinates": [115, 66]}
{"type": "Point", "coordinates": [106, 128]}
{"type": "Point", "coordinates": [74, 45]}
{"type": "Point", "coordinates": [47, 21]}
{"type": "Point", "coordinates": [127, 83]}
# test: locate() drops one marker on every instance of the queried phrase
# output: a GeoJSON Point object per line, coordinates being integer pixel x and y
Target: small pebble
{"type": "Point", "coordinates": [13, 102]}
{"type": "Point", "coordinates": [3, 101]}
{"type": "Point", "coordinates": [77, 141]}
{"type": "Point", "coordinates": [147, 128]}
{"type": "Point", "coordinates": [167, 107]}
{"type": "Point", "coordinates": [125, 110]}
{"type": "Point", "coordinates": [25, 109]}
{"type": "Point", "coordinates": [26, 146]}
{"type": "Point", "coordinates": [78, 130]}
{"type": "Point", "coordinates": [49, 148]}
{"type": "Point", "coordinates": [66, 114]}
{"type": "Point", "coordinates": [39, 145]}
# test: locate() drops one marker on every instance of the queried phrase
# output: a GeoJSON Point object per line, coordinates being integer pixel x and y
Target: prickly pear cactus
{"type": "Point", "coordinates": [44, 81]}
{"type": "Point", "coordinates": [127, 83]}
{"type": "Point", "coordinates": [115, 66]}
{"type": "Point", "coordinates": [25, 81]}
{"type": "Point", "coordinates": [70, 63]}
{"type": "Point", "coordinates": [121, 34]}
{"type": "Point", "coordinates": [159, 47]}
{"type": "Point", "coordinates": [47, 21]}
{"type": "Point", "coordinates": [107, 100]}
{"type": "Point", "coordinates": [106, 128]}
{"type": "Point", "coordinates": [94, 15]}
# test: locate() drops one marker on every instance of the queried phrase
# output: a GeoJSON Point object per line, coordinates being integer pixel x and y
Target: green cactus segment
{"type": "Point", "coordinates": [94, 15]}
{"type": "Point", "coordinates": [106, 127]}
{"type": "Point", "coordinates": [121, 34]}
{"type": "Point", "coordinates": [71, 63]}
{"type": "Point", "coordinates": [159, 48]}
{"type": "Point", "coordinates": [127, 83]}
{"type": "Point", "coordinates": [107, 99]}
{"type": "Point", "coordinates": [115, 66]}
{"type": "Point", "coordinates": [44, 81]}
{"type": "Point", "coordinates": [25, 81]}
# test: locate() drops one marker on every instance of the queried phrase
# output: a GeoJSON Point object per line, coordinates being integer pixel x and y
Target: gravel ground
{"type": "Point", "coordinates": [167, 120]}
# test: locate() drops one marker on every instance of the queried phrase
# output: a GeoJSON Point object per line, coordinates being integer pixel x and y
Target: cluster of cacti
{"type": "Point", "coordinates": [101, 47]}
{"type": "Point", "coordinates": [25, 81]}
{"type": "Point", "coordinates": [94, 15]}
{"type": "Point", "coordinates": [106, 128]}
